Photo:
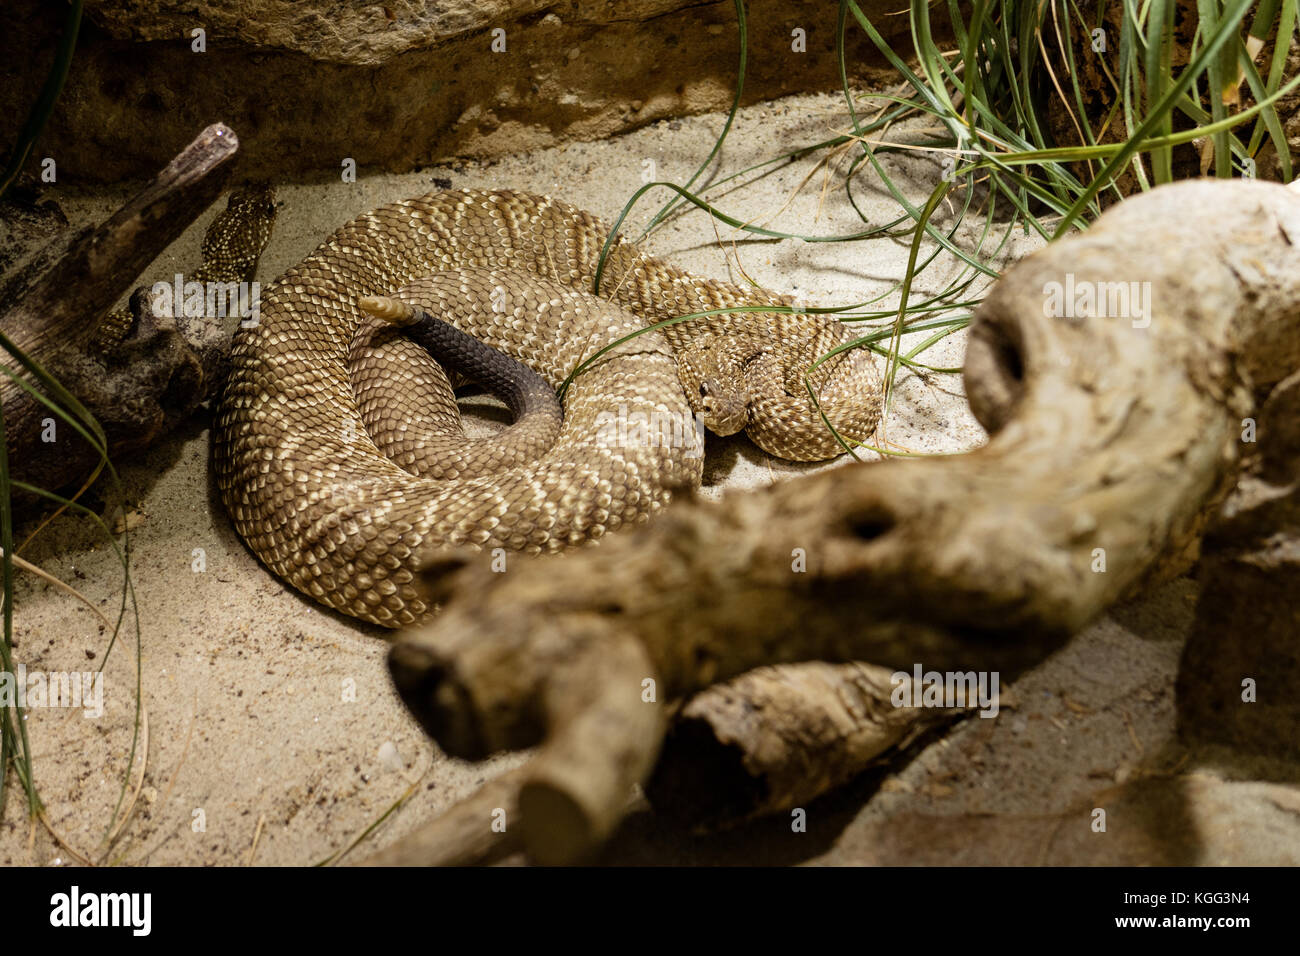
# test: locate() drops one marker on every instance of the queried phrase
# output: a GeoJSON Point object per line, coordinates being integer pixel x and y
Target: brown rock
{"type": "Point", "coordinates": [400, 85]}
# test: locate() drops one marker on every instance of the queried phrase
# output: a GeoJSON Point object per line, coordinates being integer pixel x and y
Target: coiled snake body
{"type": "Point", "coordinates": [338, 447]}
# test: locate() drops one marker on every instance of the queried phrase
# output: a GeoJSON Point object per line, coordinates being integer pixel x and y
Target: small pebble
{"type": "Point", "coordinates": [390, 758]}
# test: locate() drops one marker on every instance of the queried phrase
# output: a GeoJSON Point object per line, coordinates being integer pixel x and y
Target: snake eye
{"type": "Point", "coordinates": [704, 390]}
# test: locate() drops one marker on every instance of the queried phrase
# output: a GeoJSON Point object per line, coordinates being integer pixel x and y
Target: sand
{"type": "Point", "coordinates": [274, 738]}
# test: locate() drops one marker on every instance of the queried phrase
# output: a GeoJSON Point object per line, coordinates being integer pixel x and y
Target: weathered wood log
{"type": "Point", "coordinates": [775, 738]}
{"type": "Point", "coordinates": [51, 308]}
{"type": "Point", "coordinates": [1112, 369]}
{"type": "Point", "coordinates": [769, 740]}
{"type": "Point", "coordinates": [580, 779]}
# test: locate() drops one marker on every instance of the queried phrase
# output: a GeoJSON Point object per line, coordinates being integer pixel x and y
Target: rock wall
{"type": "Point", "coordinates": [401, 84]}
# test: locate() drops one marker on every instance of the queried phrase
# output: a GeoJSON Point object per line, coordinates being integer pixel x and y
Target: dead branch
{"type": "Point", "coordinates": [778, 737]}
{"type": "Point", "coordinates": [580, 779]}
{"type": "Point", "coordinates": [51, 308]}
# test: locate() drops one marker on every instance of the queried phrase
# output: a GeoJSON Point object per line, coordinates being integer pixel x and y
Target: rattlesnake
{"type": "Point", "coordinates": [337, 446]}
{"type": "Point", "coordinates": [232, 245]}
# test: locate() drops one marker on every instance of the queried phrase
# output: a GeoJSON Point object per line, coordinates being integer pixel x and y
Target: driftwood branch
{"type": "Point", "coordinates": [51, 308]}
{"type": "Point", "coordinates": [1115, 438]}
{"type": "Point", "coordinates": [777, 737]}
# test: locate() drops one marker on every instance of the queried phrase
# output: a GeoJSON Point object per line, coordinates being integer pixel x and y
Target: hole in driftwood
{"type": "Point", "coordinates": [1009, 360]}
{"type": "Point", "coordinates": [870, 525]}
{"type": "Point", "coordinates": [997, 372]}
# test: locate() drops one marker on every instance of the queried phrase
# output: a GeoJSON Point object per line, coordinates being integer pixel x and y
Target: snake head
{"type": "Point", "coordinates": [712, 372]}
{"type": "Point", "coordinates": [766, 386]}
{"type": "Point", "coordinates": [721, 409]}
{"type": "Point", "coordinates": [254, 203]}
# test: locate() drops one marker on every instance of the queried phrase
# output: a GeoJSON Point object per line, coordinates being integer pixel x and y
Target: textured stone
{"type": "Point", "coordinates": [308, 85]}
{"type": "Point", "coordinates": [357, 33]}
